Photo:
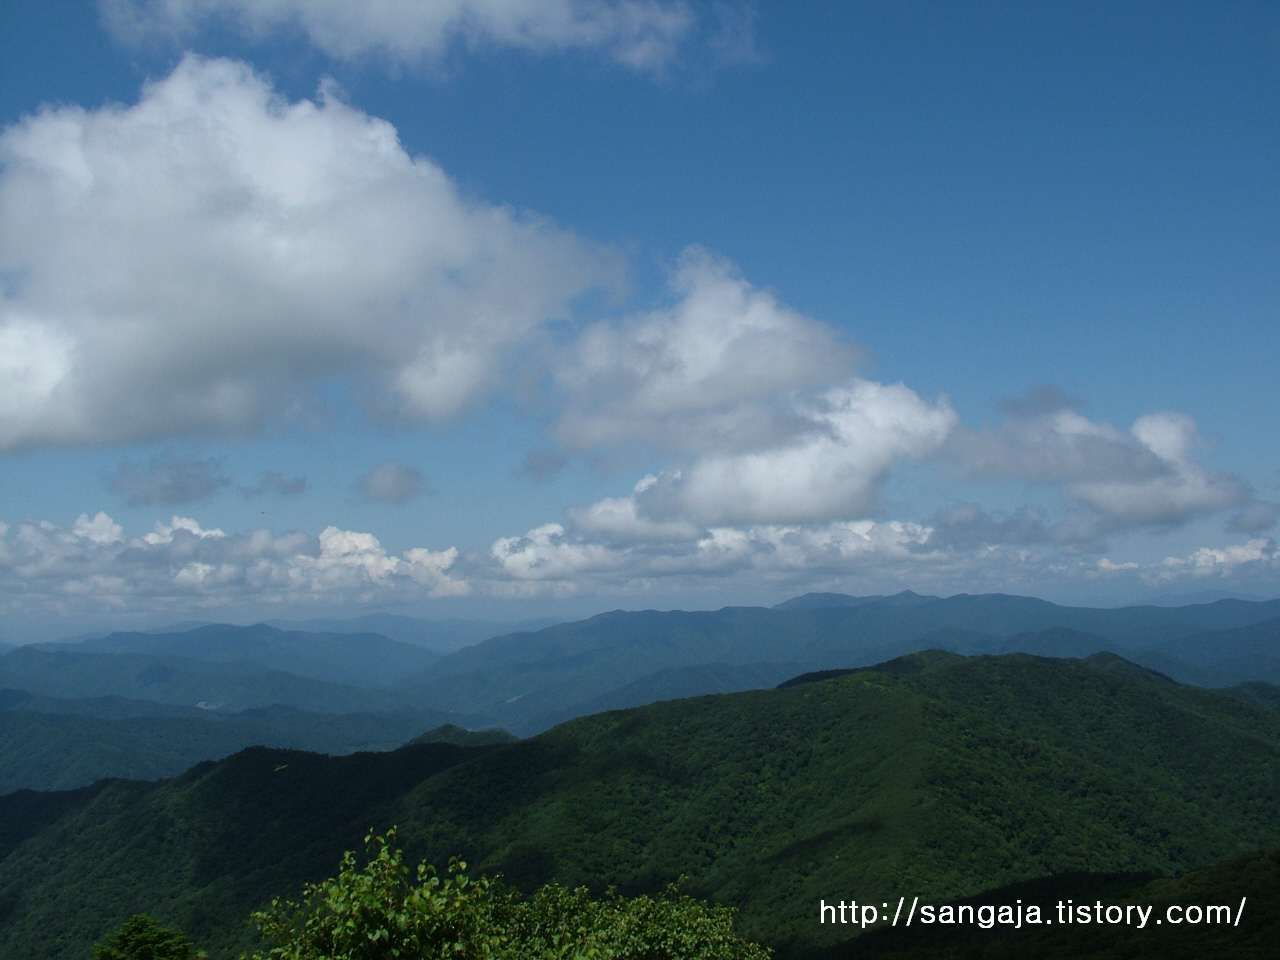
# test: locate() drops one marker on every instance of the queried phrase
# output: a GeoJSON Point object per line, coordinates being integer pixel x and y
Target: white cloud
{"type": "Point", "coordinates": [1146, 476]}
{"type": "Point", "coordinates": [832, 471]}
{"type": "Point", "coordinates": [205, 259]}
{"type": "Point", "coordinates": [94, 567]}
{"type": "Point", "coordinates": [645, 35]}
{"type": "Point", "coordinates": [182, 565]}
{"type": "Point", "coordinates": [1183, 490]}
{"type": "Point", "coordinates": [859, 557]}
{"type": "Point", "coordinates": [1256, 556]}
{"type": "Point", "coordinates": [567, 561]}
{"type": "Point", "coordinates": [619, 519]}
{"type": "Point", "coordinates": [718, 371]}
{"type": "Point", "coordinates": [761, 398]}
{"type": "Point", "coordinates": [1053, 446]}
{"type": "Point", "coordinates": [547, 553]}
{"type": "Point", "coordinates": [35, 360]}
{"type": "Point", "coordinates": [164, 533]}
{"type": "Point", "coordinates": [101, 529]}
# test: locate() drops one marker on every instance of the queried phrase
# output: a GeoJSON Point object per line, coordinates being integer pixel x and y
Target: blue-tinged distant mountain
{"type": "Point", "coordinates": [527, 681]}
{"type": "Point", "coordinates": [816, 601]}
{"type": "Point", "coordinates": [443, 636]}
{"type": "Point", "coordinates": [229, 686]}
{"type": "Point", "coordinates": [1256, 643]}
{"type": "Point", "coordinates": [1199, 596]}
{"type": "Point", "coordinates": [1221, 658]}
{"type": "Point", "coordinates": [106, 708]}
{"type": "Point", "coordinates": [1138, 627]}
{"type": "Point", "coordinates": [361, 659]}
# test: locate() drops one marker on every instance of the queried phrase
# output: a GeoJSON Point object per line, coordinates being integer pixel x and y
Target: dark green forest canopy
{"type": "Point", "coordinates": [966, 774]}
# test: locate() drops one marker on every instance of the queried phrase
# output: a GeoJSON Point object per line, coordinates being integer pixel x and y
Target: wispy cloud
{"type": "Point", "coordinates": [643, 35]}
{"type": "Point", "coordinates": [1146, 476]}
{"type": "Point", "coordinates": [1256, 517]}
{"type": "Point", "coordinates": [392, 482]}
{"type": "Point", "coordinates": [168, 480]}
{"type": "Point", "coordinates": [717, 371]}
{"type": "Point", "coordinates": [276, 483]}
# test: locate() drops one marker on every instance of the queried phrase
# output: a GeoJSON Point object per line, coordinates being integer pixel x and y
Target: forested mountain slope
{"type": "Point", "coordinates": [935, 775]}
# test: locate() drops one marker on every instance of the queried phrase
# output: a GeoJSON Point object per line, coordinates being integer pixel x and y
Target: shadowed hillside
{"type": "Point", "coordinates": [936, 776]}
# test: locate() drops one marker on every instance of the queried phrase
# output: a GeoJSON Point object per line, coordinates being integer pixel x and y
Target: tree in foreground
{"type": "Point", "coordinates": [379, 913]}
{"type": "Point", "coordinates": [141, 938]}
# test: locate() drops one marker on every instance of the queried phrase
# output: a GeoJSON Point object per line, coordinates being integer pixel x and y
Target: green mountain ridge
{"type": "Point", "coordinates": [935, 775]}
{"type": "Point", "coordinates": [450, 733]}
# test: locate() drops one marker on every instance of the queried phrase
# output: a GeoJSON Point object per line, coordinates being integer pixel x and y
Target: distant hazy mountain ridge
{"type": "Point", "coordinates": [359, 659]}
{"type": "Point", "coordinates": [529, 681]}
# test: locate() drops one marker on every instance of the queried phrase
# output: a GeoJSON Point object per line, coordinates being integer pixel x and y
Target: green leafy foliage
{"type": "Point", "coordinates": [377, 913]}
{"type": "Point", "coordinates": [142, 938]}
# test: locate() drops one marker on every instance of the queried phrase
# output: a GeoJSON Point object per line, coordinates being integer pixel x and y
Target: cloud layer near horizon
{"type": "Point", "coordinates": [94, 568]}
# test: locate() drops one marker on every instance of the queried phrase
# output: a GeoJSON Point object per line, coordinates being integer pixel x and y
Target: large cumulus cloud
{"type": "Point", "coordinates": [211, 256]}
{"type": "Point", "coordinates": [760, 402]}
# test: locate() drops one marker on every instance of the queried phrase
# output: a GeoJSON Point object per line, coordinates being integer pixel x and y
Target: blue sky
{"type": "Point", "coordinates": [491, 307]}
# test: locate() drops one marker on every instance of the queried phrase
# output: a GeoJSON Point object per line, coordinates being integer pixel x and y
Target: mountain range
{"type": "Point", "coordinates": [932, 775]}
{"type": "Point", "coordinates": [358, 659]}
{"type": "Point", "coordinates": [352, 690]}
